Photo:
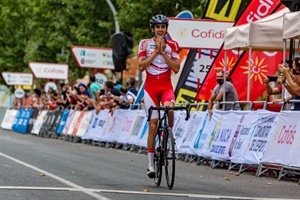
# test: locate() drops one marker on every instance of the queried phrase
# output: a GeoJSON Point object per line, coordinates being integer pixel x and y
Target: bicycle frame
{"type": "Point", "coordinates": [162, 152]}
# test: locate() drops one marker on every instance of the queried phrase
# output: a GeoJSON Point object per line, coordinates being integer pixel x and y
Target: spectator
{"type": "Point", "coordinates": [278, 90]}
{"type": "Point", "coordinates": [94, 87]}
{"type": "Point", "coordinates": [106, 99]}
{"type": "Point", "coordinates": [118, 85]}
{"type": "Point", "coordinates": [130, 84]}
{"type": "Point", "coordinates": [292, 80]}
{"type": "Point", "coordinates": [122, 100]}
{"type": "Point", "coordinates": [218, 92]}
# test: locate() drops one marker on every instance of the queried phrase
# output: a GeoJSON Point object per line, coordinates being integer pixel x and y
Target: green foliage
{"type": "Point", "coordinates": [37, 31]}
{"type": "Point", "coordinates": [134, 15]}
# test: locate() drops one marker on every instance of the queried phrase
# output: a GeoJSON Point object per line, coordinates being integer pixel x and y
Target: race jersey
{"type": "Point", "coordinates": [158, 69]}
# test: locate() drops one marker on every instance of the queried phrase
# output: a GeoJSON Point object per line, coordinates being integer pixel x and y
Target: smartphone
{"type": "Point", "coordinates": [272, 78]}
{"type": "Point", "coordinates": [295, 72]}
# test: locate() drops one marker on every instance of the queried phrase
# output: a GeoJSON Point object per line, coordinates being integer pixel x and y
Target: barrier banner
{"type": "Point", "coordinates": [73, 122]}
{"type": "Point", "coordinates": [84, 123]}
{"type": "Point", "coordinates": [76, 122]}
{"type": "Point", "coordinates": [39, 122]}
{"type": "Point", "coordinates": [222, 136]}
{"type": "Point", "coordinates": [180, 127]}
{"type": "Point", "coordinates": [284, 145]}
{"type": "Point", "coordinates": [56, 120]}
{"type": "Point", "coordinates": [32, 120]}
{"type": "Point", "coordinates": [242, 135]}
{"type": "Point", "coordinates": [112, 127]}
{"type": "Point", "coordinates": [208, 128]}
{"type": "Point", "coordinates": [99, 124]}
{"type": "Point", "coordinates": [48, 123]}
{"type": "Point", "coordinates": [68, 121]}
{"type": "Point", "coordinates": [261, 130]}
{"type": "Point", "coordinates": [194, 124]}
{"type": "Point", "coordinates": [140, 126]}
{"type": "Point", "coordinates": [63, 121]}
{"type": "Point", "coordinates": [22, 120]}
{"type": "Point", "coordinates": [5, 118]}
{"type": "Point", "coordinates": [88, 134]}
{"type": "Point", "coordinates": [128, 119]}
{"type": "Point", "coordinates": [9, 119]}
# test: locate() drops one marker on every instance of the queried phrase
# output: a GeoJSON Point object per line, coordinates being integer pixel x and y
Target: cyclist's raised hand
{"type": "Point", "coordinates": [157, 44]}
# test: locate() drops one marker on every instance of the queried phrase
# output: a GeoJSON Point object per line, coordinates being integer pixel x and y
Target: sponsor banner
{"type": "Point", "coordinates": [93, 57]}
{"type": "Point", "coordinates": [9, 119]}
{"type": "Point", "coordinates": [197, 34]}
{"type": "Point", "coordinates": [203, 139]}
{"type": "Point", "coordinates": [39, 122]}
{"type": "Point", "coordinates": [49, 70]}
{"type": "Point", "coordinates": [223, 10]}
{"type": "Point", "coordinates": [254, 11]}
{"type": "Point", "coordinates": [138, 130]}
{"type": "Point", "coordinates": [180, 127]}
{"type": "Point", "coordinates": [194, 71]}
{"type": "Point", "coordinates": [63, 121]}
{"type": "Point", "coordinates": [284, 145]}
{"type": "Point", "coordinates": [32, 120]}
{"type": "Point", "coordinates": [88, 135]}
{"type": "Point", "coordinates": [195, 123]}
{"type": "Point", "coordinates": [84, 123]}
{"type": "Point", "coordinates": [14, 78]}
{"type": "Point", "coordinates": [55, 120]}
{"type": "Point", "coordinates": [220, 143]}
{"type": "Point", "coordinates": [241, 135]}
{"type": "Point", "coordinates": [75, 122]}
{"type": "Point", "coordinates": [261, 131]}
{"type": "Point", "coordinates": [68, 122]}
{"type": "Point", "coordinates": [128, 120]}
{"type": "Point", "coordinates": [103, 126]}
{"type": "Point", "coordinates": [22, 120]}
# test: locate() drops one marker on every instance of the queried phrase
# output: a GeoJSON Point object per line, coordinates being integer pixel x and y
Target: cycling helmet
{"type": "Point", "coordinates": [158, 19]}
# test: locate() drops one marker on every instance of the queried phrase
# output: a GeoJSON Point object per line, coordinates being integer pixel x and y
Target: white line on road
{"type": "Point", "coordinates": [69, 183]}
{"type": "Point", "coordinates": [136, 192]}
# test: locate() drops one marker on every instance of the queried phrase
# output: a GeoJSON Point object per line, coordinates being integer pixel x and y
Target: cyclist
{"type": "Point", "coordinates": [158, 57]}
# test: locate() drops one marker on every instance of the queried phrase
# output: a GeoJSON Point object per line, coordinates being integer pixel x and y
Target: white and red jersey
{"type": "Point", "coordinates": [159, 68]}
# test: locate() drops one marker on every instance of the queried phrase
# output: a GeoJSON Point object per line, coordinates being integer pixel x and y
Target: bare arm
{"type": "Point", "coordinates": [211, 101]}
{"type": "Point", "coordinates": [144, 62]}
{"type": "Point", "coordinates": [219, 96]}
{"type": "Point", "coordinates": [294, 86]}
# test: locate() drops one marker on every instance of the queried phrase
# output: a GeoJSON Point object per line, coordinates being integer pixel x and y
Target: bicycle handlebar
{"type": "Point", "coordinates": [167, 108]}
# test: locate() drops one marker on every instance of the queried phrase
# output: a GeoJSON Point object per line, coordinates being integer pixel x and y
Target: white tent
{"type": "Point", "coordinates": [291, 25]}
{"type": "Point", "coordinates": [264, 35]}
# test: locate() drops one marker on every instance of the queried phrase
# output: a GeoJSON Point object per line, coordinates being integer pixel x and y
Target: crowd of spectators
{"type": "Point", "coordinates": [85, 97]}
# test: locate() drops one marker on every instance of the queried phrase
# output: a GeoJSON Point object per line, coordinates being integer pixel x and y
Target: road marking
{"type": "Point", "coordinates": [81, 189]}
{"type": "Point", "coordinates": [64, 181]}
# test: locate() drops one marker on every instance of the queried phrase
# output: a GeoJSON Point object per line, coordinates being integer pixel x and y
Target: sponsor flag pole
{"type": "Point", "coordinates": [249, 71]}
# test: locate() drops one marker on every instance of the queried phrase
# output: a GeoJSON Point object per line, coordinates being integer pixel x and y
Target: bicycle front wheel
{"type": "Point", "coordinates": [169, 155]}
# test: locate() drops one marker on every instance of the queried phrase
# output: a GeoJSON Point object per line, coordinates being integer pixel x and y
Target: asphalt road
{"type": "Point", "coordinates": [37, 168]}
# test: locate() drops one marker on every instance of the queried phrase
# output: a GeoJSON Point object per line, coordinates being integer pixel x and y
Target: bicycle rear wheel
{"type": "Point", "coordinates": [169, 156]}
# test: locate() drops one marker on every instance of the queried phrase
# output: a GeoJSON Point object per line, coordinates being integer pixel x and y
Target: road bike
{"type": "Point", "coordinates": [165, 151]}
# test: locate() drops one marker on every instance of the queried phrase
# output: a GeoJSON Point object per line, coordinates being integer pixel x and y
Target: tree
{"type": "Point", "coordinates": [134, 16]}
